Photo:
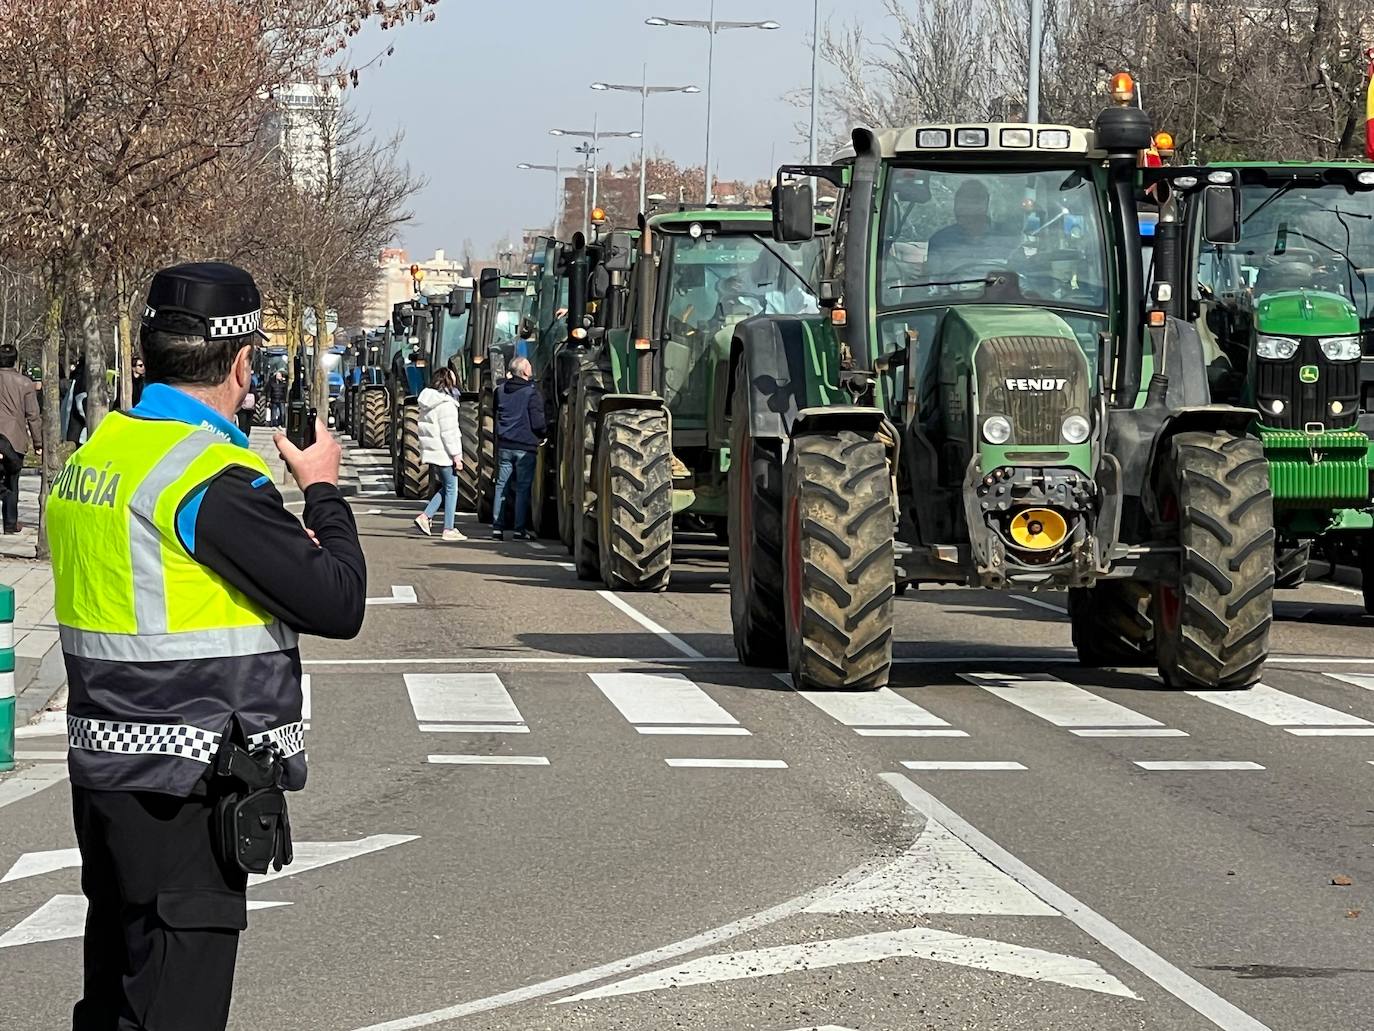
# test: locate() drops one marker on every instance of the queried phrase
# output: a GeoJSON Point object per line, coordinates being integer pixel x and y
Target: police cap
{"type": "Point", "coordinates": [209, 298]}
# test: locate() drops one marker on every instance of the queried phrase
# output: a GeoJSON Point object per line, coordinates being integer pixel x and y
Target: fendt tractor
{"type": "Point", "coordinates": [1285, 314]}
{"type": "Point", "coordinates": [986, 401]}
{"type": "Point", "coordinates": [647, 444]}
{"type": "Point", "coordinates": [425, 332]}
{"type": "Point", "coordinates": [481, 363]}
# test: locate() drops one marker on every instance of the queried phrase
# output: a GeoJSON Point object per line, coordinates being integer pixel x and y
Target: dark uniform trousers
{"type": "Point", "coordinates": [163, 926]}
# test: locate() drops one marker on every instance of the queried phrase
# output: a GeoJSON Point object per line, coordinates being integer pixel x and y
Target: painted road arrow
{"type": "Point", "coordinates": [64, 916]}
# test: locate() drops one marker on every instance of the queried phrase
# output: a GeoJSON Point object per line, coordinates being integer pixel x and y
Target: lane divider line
{"type": "Point", "coordinates": [962, 765]}
{"type": "Point", "coordinates": [670, 639]}
{"type": "Point", "coordinates": [1194, 765]}
{"type": "Point", "coordinates": [726, 764]}
{"type": "Point", "coordinates": [488, 760]}
{"type": "Point", "coordinates": [474, 728]}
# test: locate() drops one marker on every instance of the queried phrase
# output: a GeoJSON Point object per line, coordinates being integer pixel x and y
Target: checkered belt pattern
{"type": "Point", "coordinates": [289, 739]}
{"type": "Point", "coordinates": [178, 739]}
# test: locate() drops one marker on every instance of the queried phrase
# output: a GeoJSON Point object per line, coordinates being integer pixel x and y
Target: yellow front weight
{"type": "Point", "coordinates": [1038, 529]}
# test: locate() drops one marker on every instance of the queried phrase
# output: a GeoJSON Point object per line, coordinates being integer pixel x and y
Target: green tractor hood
{"type": "Point", "coordinates": [1306, 313]}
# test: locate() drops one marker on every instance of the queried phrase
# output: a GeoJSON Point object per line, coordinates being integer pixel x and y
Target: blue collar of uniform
{"type": "Point", "coordinates": [160, 401]}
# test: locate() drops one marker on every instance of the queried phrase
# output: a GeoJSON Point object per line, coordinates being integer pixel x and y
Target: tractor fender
{"type": "Point", "coordinates": [860, 418]}
{"type": "Point", "coordinates": [628, 402]}
{"type": "Point", "coordinates": [772, 351]}
{"type": "Point", "coordinates": [1231, 418]}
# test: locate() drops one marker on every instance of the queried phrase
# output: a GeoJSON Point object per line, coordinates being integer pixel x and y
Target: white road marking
{"type": "Point", "coordinates": [311, 855]}
{"type": "Point", "coordinates": [537, 546]}
{"type": "Point", "coordinates": [1363, 680]}
{"type": "Point", "coordinates": [727, 764]}
{"type": "Point", "coordinates": [667, 699]}
{"type": "Point", "coordinates": [1264, 704]}
{"type": "Point", "coordinates": [566, 565]}
{"type": "Point", "coordinates": [64, 916]}
{"type": "Point", "coordinates": [1330, 731]}
{"type": "Point", "coordinates": [938, 874]}
{"type": "Point", "coordinates": [498, 660]}
{"type": "Point", "coordinates": [618, 968]}
{"type": "Point", "coordinates": [25, 783]}
{"type": "Point", "coordinates": [1186, 989]}
{"type": "Point", "coordinates": [39, 756]}
{"type": "Point", "coordinates": [917, 942]}
{"type": "Point", "coordinates": [35, 864]}
{"type": "Point", "coordinates": [1128, 732]}
{"type": "Point", "coordinates": [474, 728]}
{"type": "Point", "coordinates": [881, 708]}
{"type": "Point", "coordinates": [1058, 610]}
{"type": "Point", "coordinates": [908, 732]}
{"type": "Point", "coordinates": [401, 594]}
{"type": "Point", "coordinates": [305, 700]}
{"type": "Point", "coordinates": [1194, 765]}
{"type": "Point", "coordinates": [373, 511]}
{"type": "Point", "coordinates": [1325, 660]}
{"type": "Point", "coordinates": [968, 765]}
{"type": "Point", "coordinates": [51, 723]}
{"type": "Point", "coordinates": [461, 698]}
{"type": "Point", "coordinates": [488, 760]}
{"type": "Point", "coordinates": [1058, 702]}
{"type": "Point", "coordinates": [695, 731]}
{"type": "Point", "coordinates": [672, 640]}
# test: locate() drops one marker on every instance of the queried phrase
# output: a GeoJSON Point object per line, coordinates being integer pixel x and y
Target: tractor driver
{"type": "Point", "coordinates": [971, 240]}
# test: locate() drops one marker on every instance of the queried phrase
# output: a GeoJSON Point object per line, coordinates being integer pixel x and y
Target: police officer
{"type": "Point", "coordinates": [181, 584]}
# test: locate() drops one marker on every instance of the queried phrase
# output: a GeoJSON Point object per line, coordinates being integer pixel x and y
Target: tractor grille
{"type": "Point", "coordinates": [1307, 404]}
{"type": "Point", "coordinates": [1036, 382]}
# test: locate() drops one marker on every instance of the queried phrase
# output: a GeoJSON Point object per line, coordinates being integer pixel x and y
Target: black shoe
{"type": "Point", "coordinates": [523, 535]}
{"type": "Point", "coordinates": [498, 535]}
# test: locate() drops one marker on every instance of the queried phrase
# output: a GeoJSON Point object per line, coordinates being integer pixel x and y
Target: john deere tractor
{"type": "Point", "coordinates": [647, 441]}
{"type": "Point", "coordinates": [420, 328]}
{"type": "Point", "coordinates": [985, 401]}
{"type": "Point", "coordinates": [1286, 314]}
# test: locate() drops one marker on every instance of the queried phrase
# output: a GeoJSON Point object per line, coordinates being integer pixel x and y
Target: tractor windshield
{"type": "Point", "coordinates": [1297, 236]}
{"type": "Point", "coordinates": [455, 331]}
{"type": "Point", "coordinates": [726, 278]}
{"type": "Point", "coordinates": [958, 237]}
{"type": "Point", "coordinates": [508, 308]}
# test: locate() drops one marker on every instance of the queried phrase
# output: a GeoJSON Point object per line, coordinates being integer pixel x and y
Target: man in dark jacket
{"type": "Point", "coordinates": [276, 398]}
{"type": "Point", "coordinates": [520, 431]}
{"type": "Point", "coordinates": [19, 426]}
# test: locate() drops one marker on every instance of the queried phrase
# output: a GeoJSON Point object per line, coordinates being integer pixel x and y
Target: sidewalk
{"type": "Point", "coordinates": [350, 472]}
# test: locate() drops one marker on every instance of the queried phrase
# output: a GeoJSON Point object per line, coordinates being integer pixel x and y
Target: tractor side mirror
{"type": "Point", "coordinates": [1221, 214]}
{"type": "Point", "coordinates": [794, 212]}
{"type": "Point", "coordinates": [600, 283]}
{"type": "Point", "coordinates": [489, 284]}
{"type": "Point", "coordinates": [618, 249]}
{"type": "Point", "coordinates": [457, 303]}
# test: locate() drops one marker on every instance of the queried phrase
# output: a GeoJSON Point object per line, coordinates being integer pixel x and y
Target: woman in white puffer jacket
{"type": "Point", "coordinates": [441, 445]}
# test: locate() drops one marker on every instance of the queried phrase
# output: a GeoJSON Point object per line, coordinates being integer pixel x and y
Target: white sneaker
{"type": "Point", "coordinates": [453, 535]}
{"type": "Point", "coordinates": [422, 521]}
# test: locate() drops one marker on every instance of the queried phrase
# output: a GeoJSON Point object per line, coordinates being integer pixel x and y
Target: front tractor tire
{"type": "Point", "coordinates": [412, 474]}
{"type": "Point", "coordinates": [755, 538]}
{"type": "Point", "coordinates": [1212, 625]}
{"type": "Point", "coordinates": [838, 563]}
{"type": "Point", "coordinates": [468, 418]}
{"type": "Point", "coordinates": [634, 477]}
{"type": "Point", "coordinates": [591, 387]}
{"type": "Point", "coordinates": [372, 430]}
{"type": "Point", "coordinates": [486, 456]}
{"type": "Point", "coordinates": [563, 500]}
{"type": "Point", "coordinates": [1290, 566]}
{"type": "Point", "coordinates": [1111, 623]}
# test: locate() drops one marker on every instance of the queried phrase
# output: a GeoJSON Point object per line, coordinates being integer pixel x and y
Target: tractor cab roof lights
{"type": "Point", "coordinates": [994, 137]}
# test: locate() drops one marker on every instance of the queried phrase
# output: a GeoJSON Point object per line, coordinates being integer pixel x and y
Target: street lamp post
{"type": "Point", "coordinates": [557, 170]}
{"type": "Point", "coordinates": [593, 136]}
{"type": "Point", "coordinates": [712, 27]}
{"type": "Point", "coordinates": [645, 91]}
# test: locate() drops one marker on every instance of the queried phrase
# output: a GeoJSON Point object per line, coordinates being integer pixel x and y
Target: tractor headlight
{"type": "Point", "coordinates": [1340, 349]}
{"type": "Point", "coordinates": [1279, 348]}
{"type": "Point", "coordinates": [1075, 429]}
{"type": "Point", "coordinates": [997, 429]}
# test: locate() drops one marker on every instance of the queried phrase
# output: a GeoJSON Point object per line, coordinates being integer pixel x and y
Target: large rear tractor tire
{"type": "Point", "coordinates": [838, 561]}
{"type": "Point", "coordinates": [1111, 623]}
{"type": "Point", "coordinates": [634, 476]}
{"type": "Point", "coordinates": [413, 480]}
{"type": "Point", "coordinates": [1290, 566]}
{"type": "Point", "coordinates": [565, 472]}
{"type": "Point", "coordinates": [467, 476]}
{"type": "Point", "coordinates": [262, 408]}
{"type": "Point", "coordinates": [372, 432]}
{"type": "Point", "coordinates": [755, 538]}
{"type": "Point", "coordinates": [591, 387]}
{"type": "Point", "coordinates": [1212, 624]}
{"type": "Point", "coordinates": [486, 455]}
{"type": "Point", "coordinates": [543, 499]}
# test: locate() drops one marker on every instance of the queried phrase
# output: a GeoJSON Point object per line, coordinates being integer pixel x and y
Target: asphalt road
{"type": "Point", "coordinates": [533, 804]}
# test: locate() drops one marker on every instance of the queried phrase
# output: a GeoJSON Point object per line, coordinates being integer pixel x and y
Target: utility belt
{"type": "Point", "coordinates": [252, 829]}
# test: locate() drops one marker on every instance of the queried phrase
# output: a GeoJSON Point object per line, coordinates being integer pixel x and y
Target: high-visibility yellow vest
{"type": "Point", "coordinates": [162, 652]}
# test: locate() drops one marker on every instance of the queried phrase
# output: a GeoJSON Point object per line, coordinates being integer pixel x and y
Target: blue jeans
{"type": "Point", "coordinates": [278, 413]}
{"type": "Point", "coordinates": [447, 495]}
{"type": "Point", "coordinates": [519, 464]}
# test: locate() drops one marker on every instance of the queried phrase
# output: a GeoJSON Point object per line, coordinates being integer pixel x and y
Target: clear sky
{"type": "Point", "coordinates": [478, 89]}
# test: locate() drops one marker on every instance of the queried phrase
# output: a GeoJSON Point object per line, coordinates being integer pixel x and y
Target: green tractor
{"type": "Point", "coordinates": [646, 439]}
{"type": "Point", "coordinates": [984, 401]}
{"type": "Point", "coordinates": [423, 331]}
{"type": "Point", "coordinates": [480, 363]}
{"type": "Point", "coordinates": [1286, 315]}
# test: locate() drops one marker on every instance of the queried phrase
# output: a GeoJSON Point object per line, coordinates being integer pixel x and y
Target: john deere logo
{"type": "Point", "coordinates": [1308, 374]}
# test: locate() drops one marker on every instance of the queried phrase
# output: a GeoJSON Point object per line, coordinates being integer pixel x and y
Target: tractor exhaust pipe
{"type": "Point", "coordinates": [644, 317]}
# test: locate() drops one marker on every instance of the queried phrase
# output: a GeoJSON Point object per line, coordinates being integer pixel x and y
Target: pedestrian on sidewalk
{"type": "Point", "coordinates": [19, 426]}
{"type": "Point", "coordinates": [181, 583]}
{"type": "Point", "coordinates": [441, 445]}
{"type": "Point", "coordinates": [276, 397]}
{"type": "Point", "coordinates": [520, 429]}
{"type": "Point", "coordinates": [248, 408]}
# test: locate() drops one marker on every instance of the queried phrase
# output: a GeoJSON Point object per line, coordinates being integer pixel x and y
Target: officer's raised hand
{"type": "Point", "coordinates": [319, 463]}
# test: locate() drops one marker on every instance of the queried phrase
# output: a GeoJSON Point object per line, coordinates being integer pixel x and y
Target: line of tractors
{"type": "Point", "coordinates": [974, 370]}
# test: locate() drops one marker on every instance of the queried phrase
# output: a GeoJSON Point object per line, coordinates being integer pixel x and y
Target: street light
{"type": "Point", "coordinates": [594, 136]}
{"type": "Point", "coordinates": [645, 91]}
{"type": "Point", "coordinates": [557, 171]}
{"type": "Point", "coordinates": [712, 27]}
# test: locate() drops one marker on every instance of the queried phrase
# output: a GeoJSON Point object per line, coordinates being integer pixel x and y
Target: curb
{"type": "Point", "coordinates": [43, 689]}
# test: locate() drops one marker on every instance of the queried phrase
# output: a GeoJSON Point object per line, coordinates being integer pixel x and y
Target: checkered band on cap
{"type": "Point", "coordinates": [177, 739]}
{"type": "Point", "coordinates": [149, 312]}
{"type": "Point", "coordinates": [236, 325]}
{"type": "Point", "coordinates": [289, 739]}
